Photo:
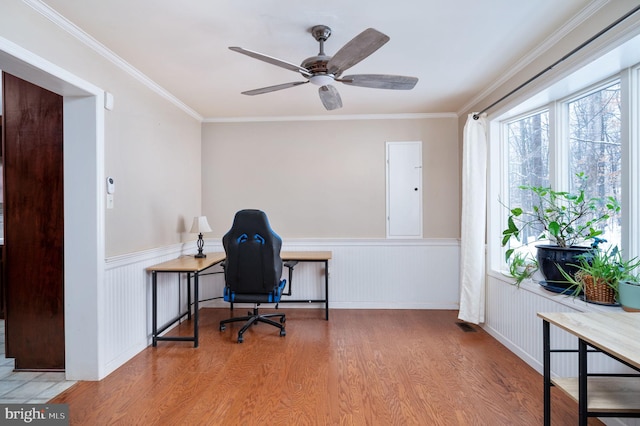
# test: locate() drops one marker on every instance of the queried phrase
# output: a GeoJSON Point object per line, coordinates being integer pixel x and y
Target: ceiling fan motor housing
{"type": "Point", "coordinates": [317, 66]}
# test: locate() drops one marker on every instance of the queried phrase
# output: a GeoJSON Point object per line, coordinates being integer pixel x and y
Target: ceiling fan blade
{"type": "Point", "coordinates": [380, 81]}
{"type": "Point", "coordinates": [273, 88]}
{"type": "Point", "coordinates": [330, 97]}
{"type": "Point", "coordinates": [272, 60]}
{"type": "Point", "coordinates": [361, 46]}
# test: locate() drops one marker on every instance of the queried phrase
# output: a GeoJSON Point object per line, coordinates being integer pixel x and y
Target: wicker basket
{"type": "Point", "coordinates": [597, 290]}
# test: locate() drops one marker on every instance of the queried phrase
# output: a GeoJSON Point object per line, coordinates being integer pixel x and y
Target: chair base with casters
{"type": "Point", "coordinates": [254, 318]}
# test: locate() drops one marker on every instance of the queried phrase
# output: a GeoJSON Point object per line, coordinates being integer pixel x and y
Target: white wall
{"type": "Point", "coordinates": [152, 147]}
{"type": "Point", "coordinates": [326, 179]}
{"type": "Point", "coordinates": [143, 132]}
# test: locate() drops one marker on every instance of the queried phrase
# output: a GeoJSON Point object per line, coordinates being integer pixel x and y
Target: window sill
{"type": "Point", "coordinates": [532, 286]}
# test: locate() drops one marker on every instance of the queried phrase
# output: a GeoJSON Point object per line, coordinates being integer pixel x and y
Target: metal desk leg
{"type": "Point", "coordinates": [196, 299]}
{"type": "Point", "coordinates": [188, 294]}
{"type": "Point", "coordinates": [290, 279]}
{"type": "Point", "coordinates": [582, 382]}
{"type": "Point", "coordinates": [154, 307]}
{"type": "Point", "coordinates": [326, 289]}
{"type": "Point", "coordinates": [547, 372]}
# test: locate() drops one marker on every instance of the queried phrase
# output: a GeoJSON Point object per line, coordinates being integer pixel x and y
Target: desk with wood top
{"type": "Point", "coordinates": [291, 259]}
{"type": "Point", "coordinates": [191, 266]}
{"type": "Point", "coordinates": [616, 334]}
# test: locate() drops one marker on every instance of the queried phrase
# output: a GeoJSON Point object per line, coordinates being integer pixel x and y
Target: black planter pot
{"type": "Point", "coordinates": [551, 258]}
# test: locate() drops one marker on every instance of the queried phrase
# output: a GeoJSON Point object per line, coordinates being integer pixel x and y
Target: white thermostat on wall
{"type": "Point", "coordinates": [111, 185]}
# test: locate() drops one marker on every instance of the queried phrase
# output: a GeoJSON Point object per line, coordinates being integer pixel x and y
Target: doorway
{"type": "Point", "coordinates": [83, 172]}
{"type": "Point", "coordinates": [34, 219]}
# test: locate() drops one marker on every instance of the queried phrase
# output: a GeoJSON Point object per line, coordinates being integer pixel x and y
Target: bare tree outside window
{"type": "Point", "coordinates": [595, 148]}
{"type": "Point", "coordinates": [528, 140]}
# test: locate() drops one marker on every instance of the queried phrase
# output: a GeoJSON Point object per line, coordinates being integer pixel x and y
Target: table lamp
{"type": "Point", "coordinates": [199, 226]}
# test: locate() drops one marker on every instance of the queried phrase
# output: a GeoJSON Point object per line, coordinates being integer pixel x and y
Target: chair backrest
{"type": "Point", "coordinates": [253, 264]}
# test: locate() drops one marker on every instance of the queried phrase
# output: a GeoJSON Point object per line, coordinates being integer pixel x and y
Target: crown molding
{"type": "Point", "coordinates": [534, 54]}
{"type": "Point", "coordinates": [416, 116]}
{"type": "Point", "coordinates": [103, 51]}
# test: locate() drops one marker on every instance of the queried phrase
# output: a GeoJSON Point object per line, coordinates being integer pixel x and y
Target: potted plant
{"type": "Point", "coordinates": [600, 274]}
{"type": "Point", "coordinates": [629, 294]}
{"type": "Point", "coordinates": [564, 219]}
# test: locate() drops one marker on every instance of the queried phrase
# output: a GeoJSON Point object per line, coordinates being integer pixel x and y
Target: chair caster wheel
{"type": "Point", "coordinates": [240, 339]}
{"type": "Point", "coordinates": [283, 320]}
{"type": "Point", "coordinates": [222, 327]}
{"type": "Point", "coordinates": [283, 333]}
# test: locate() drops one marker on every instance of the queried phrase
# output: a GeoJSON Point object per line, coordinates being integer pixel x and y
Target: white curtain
{"type": "Point", "coordinates": [474, 199]}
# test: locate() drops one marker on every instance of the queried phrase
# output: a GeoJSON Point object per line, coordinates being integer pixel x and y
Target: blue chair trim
{"type": "Point", "coordinates": [278, 291]}
{"type": "Point", "coordinates": [228, 295]}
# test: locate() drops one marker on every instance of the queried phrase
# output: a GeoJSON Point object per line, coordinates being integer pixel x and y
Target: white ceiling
{"type": "Point", "coordinates": [457, 49]}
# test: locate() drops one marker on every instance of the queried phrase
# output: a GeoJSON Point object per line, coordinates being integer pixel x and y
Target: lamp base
{"type": "Point", "coordinates": [200, 245]}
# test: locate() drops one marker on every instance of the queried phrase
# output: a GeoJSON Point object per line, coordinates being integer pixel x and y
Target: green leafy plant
{"type": "Point", "coordinates": [564, 218]}
{"type": "Point", "coordinates": [606, 266]}
{"type": "Point", "coordinates": [522, 266]}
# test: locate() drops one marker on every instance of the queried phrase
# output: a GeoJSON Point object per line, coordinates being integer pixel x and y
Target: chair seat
{"type": "Point", "coordinates": [252, 298]}
{"type": "Point", "coordinates": [271, 297]}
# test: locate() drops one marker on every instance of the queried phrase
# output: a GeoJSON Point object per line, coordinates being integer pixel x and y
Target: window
{"type": "Point", "coordinates": [550, 147]}
{"type": "Point", "coordinates": [594, 128]}
{"type": "Point", "coordinates": [528, 141]}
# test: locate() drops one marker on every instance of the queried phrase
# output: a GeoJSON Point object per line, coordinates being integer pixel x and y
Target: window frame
{"type": "Point", "coordinates": [559, 168]}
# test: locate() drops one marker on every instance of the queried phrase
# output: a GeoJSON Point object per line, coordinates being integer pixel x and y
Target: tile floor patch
{"type": "Point", "coordinates": [21, 387]}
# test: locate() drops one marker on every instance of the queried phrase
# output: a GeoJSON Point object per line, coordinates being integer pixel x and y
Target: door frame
{"type": "Point", "coordinates": [84, 238]}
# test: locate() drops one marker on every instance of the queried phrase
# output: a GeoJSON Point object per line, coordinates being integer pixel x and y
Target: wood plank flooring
{"type": "Point", "coordinates": [362, 367]}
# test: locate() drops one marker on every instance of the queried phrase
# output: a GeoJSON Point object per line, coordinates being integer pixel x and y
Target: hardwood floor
{"type": "Point", "coordinates": [363, 367]}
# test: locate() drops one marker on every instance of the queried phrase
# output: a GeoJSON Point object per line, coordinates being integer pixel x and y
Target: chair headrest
{"type": "Point", "coordinates": [251, 222]}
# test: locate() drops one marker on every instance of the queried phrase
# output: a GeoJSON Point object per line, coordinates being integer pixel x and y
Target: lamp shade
{"type": "Point", "coordinates": [200, 225]}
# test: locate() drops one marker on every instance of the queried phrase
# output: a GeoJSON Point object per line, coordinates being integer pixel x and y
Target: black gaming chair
{"type": "Point", "coordinates": [253, 268]}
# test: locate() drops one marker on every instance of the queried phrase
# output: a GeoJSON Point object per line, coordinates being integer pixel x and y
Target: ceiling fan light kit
{"type": "Point", "coordinates": [322, 70]}
{"type": "Point", "coordinates": [321, 79]}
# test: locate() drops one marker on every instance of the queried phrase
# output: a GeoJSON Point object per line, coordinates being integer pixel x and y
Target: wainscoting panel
{"type": "Point", "coordinates": [127, 304]}
{"type": "Point", "coordinates": [383, 274]}
{"type": "Point", "coordinates": [399, 276]}
{"type": "Point", "coordinates": [512, 319]}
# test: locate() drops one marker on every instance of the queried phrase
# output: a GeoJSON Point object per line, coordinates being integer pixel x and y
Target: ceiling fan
{"type": "Point", "coordinates": [323, 70]}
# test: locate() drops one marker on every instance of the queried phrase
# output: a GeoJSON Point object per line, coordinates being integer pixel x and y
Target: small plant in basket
{"type": "Point", "coordinates": [600, 273]}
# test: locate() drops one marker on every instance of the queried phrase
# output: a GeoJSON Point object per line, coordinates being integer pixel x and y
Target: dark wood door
{"type": "Point", "coordinates": [2, 227]}
{"type": "Point", "coordinates": [34, 225]}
